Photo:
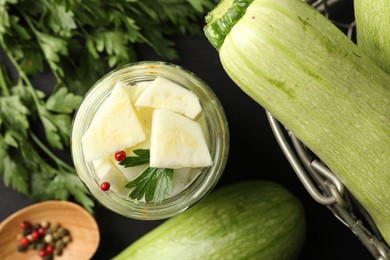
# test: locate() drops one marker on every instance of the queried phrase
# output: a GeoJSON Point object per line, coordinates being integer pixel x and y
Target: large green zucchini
{"type": "Point", "coordinates": [318, 83]}
{"type": "Point", "coordinates": [246, 220]}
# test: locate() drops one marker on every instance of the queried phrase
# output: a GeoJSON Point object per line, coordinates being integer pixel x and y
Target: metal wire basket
{"type": "Point", "coordinates": [320, 182]}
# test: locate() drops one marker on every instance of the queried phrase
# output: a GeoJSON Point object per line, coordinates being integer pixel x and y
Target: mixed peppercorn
{"type": "Point", "coordinates": [48, 239]}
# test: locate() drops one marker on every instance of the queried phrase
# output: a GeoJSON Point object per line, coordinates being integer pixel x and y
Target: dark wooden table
{"type": "Point", "coordinates": [327, 238]}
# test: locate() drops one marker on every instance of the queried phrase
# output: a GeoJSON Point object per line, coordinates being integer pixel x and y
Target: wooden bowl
{"type": "Point", "coordinates": [82, 226]}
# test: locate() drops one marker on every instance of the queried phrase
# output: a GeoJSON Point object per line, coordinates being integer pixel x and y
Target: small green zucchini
{"type": "Point", "coordinates": [319, 84]}
{"type": "Point", "coordinates": [245, 220]}
{"type": "Point", "coordinates": [373, 30]}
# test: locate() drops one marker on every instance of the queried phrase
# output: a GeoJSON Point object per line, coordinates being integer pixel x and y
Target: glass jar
{"type": "Point", "coordinates": [215, 127]}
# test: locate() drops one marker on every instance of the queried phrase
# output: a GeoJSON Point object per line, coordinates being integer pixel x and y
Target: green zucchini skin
{"type": "Point", "coordinates": [320, 85]}
{"type": "Point", "coordinates": [373, 30]}
{"type": "Point", "coordinates": [245, 220]}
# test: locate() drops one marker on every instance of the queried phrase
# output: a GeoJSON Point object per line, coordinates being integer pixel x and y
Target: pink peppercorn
{"type": "Point", "coordinates": [49, 249]}
{"type": "Point", "coordinates": [105, 186]}
{"type": "Point", "coordinates": [120, 156]}
{"type": "Point", "coordinates": [24, 241]}
{"type": "Point", "coordinates": [25, 225]}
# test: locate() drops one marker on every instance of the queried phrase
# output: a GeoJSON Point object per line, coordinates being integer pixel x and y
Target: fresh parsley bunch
{"type": "Point", "coordinates": [77, 41]}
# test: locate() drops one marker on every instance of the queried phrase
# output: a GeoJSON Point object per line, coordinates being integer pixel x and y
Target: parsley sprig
{"type": "Point", "coordinates": [73, 43]}
{"type": "Point", "coordinates": [153, 183]}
